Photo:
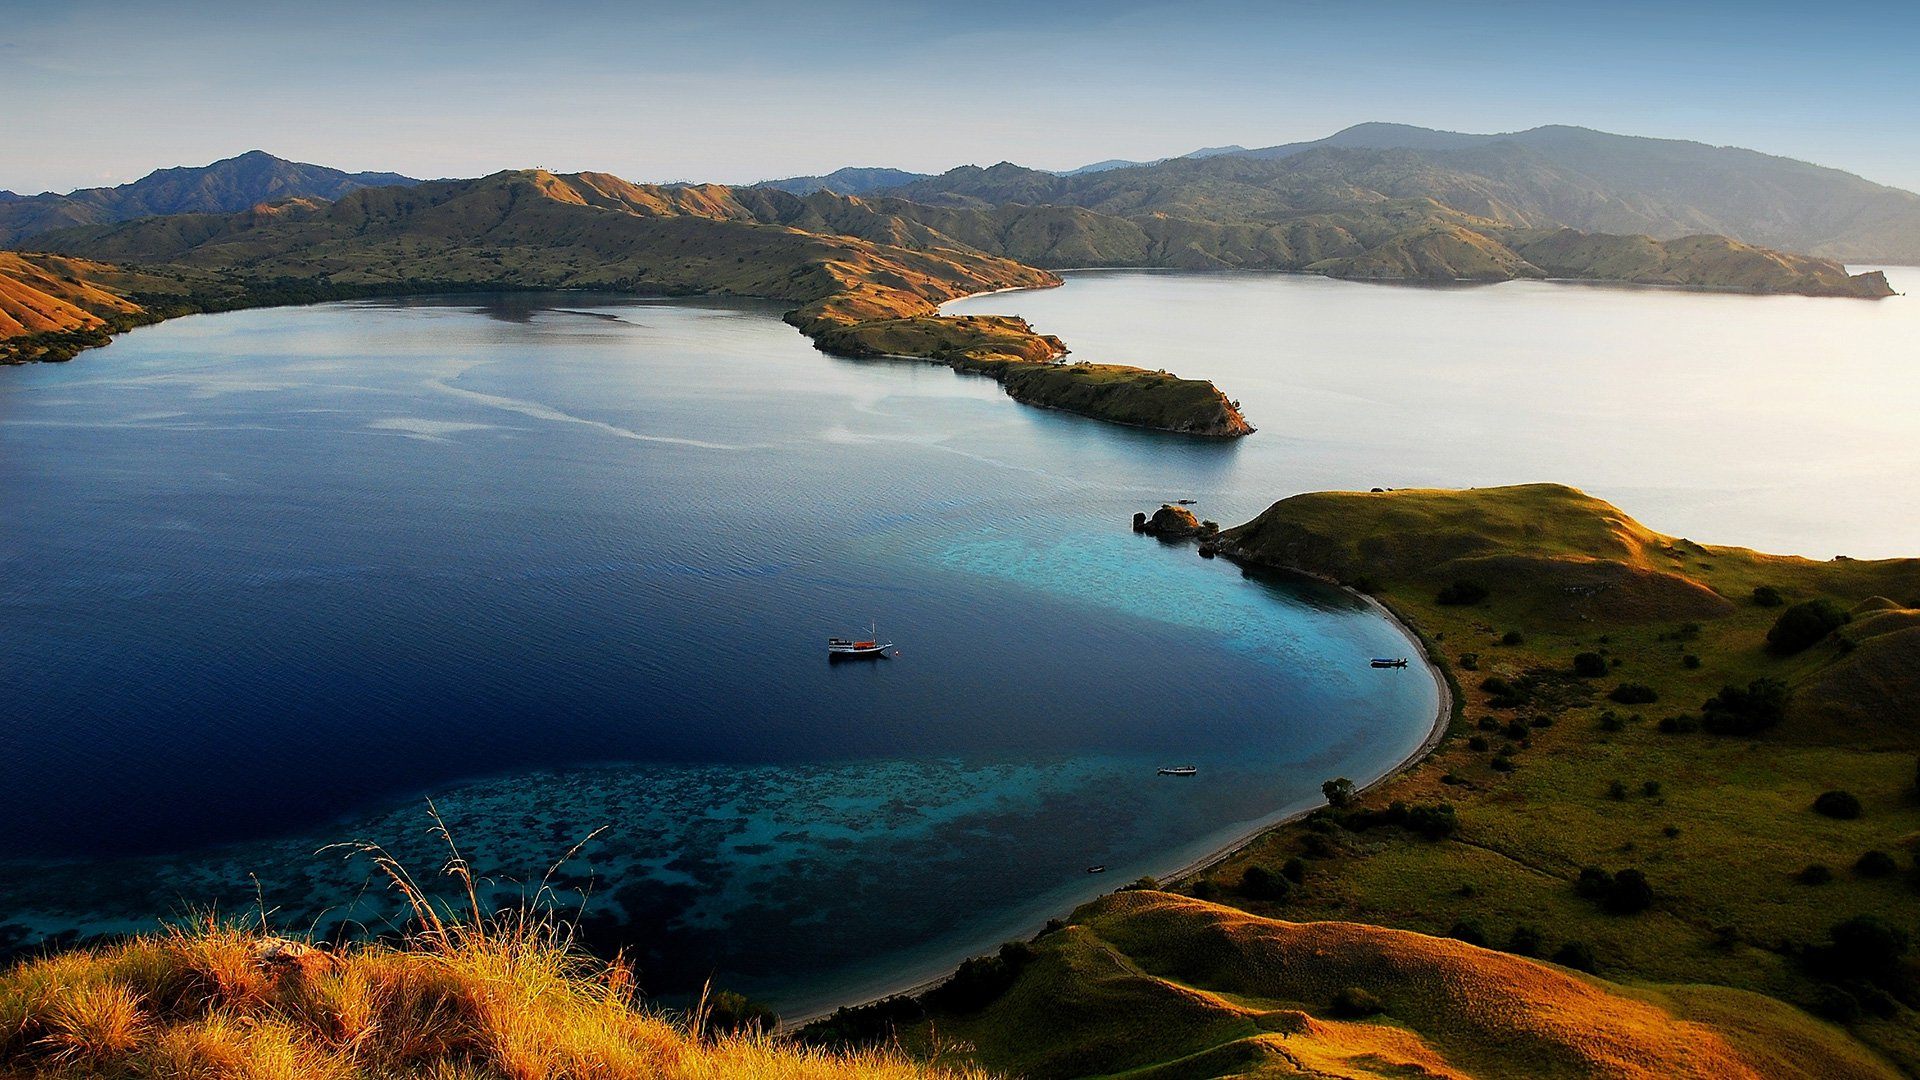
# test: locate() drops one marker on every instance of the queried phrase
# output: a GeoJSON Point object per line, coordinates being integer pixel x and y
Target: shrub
{"type": "Point", "coordinates": [1469, 661]}
{"type": "Point", "coordinates": [1835, 1004]}
{"type": "Point", "coordinates": [1497, 686]}
{"type": "Point", "coordinates": [1837, 804]}
{"type": "Point", "coordinates": [1478, 743]}
{"type": "Point", "coordinates": [1862, 947]}
{"type": "Point", "coordinates": [1516, 729]}
{"type": "Point", "coordinates": [980, 981]}
{"type": "Point", "coordinates": [1617, 790]}
{"type": "Point", "coordinates": [1628, 693]}
{"type": "Point", "coordinates": [1461, 593]}
{"type": "Point", "coordinates": [1433, 821]}
{"type": "Point", "coordinates": [1525, 941]}
{"type": "Point", "coordinates": [1767, 596]}
{"type": "Point", "coordinates": [1259, 883]}
{"type": "Point", "coordinates": [1577, 955]}
{"type": "Point", "coordinates": [1630, 893]}
{"type": "Point", "coordinates": [1540, 722]}
{"type": "Point", "coordinates": [1589, 665]}
{"type": "Point", "coordinates": [1502, 763]}
{"type": "Point", "coordinates": [1513, 637]}
{"type": "Point", "coordinates": [1353, 1003]}
{"type": "Point", "coordinates": [1733, 711]}
{"type": "Point", "coordinates": [1679, 725]}
{"type": "Point", "coordinates": [1690, 662]}
{"type": "Point", "coordinates": [1610, 721]}
{"type": "Point", "coordinates": [1339, 791]}
{"type": "Point", "coordinates": [1593, 883]}
{"type": "Point", "coordinates": [1295, 870]}
{"type": "Point", "coordinates": [1650, 789]}
{"type": "Point", "coordinates": [1487, 723]}
{"type": "Point", "coordinates": [1875, 864]}
{"type": "Point", "coordinates": [1814, 874]}
{"type": "Point", "coordinates": [1468, 931]}
{"type": "Point", "coordinates": [1804, 625]}
{"type": "Point", "coordinates": [728, 1012]}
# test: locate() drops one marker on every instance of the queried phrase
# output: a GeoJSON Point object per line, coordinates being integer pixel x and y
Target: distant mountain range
{"type": "Point", "coordinates": [1540, 178]}
{"type": "Point", "coordinates": [226, 186]}
{"type": "Point", "coordinates": [849, 181]}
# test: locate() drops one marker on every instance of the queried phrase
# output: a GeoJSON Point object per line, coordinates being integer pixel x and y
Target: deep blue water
{"type": "Point", "coordinates": [268, 579]}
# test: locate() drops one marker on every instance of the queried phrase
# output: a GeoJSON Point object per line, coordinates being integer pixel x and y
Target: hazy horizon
{"type": "Point", "coordinates": [102, 94]}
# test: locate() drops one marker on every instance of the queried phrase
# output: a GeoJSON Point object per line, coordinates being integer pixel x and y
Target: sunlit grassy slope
{"type": "Point", "coordinates": [1721, 825]}
{"type": "Point", "coordinates": [222, 1002]}
{"type": "Point", "coordinates": [1155, 985]}
{"type": "Point", "coordinates": [1717, 970]}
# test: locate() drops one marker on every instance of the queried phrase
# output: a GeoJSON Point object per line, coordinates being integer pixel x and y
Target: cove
{"type": "Point", "coordinates": [563, 563]}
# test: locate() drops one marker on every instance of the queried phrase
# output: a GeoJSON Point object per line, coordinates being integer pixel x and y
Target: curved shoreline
{"type": "Point", "coordinates": [1436, 734]}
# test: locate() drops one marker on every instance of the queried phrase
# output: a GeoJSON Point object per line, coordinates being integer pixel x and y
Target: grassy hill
{"type": "Point", "coordinates": [52, 307]}
{"type": "Point", "coordinates": [225, 186]}
{"type": "Point", "coordinates": [1156, 985]}
{"type": "Point", "coordinates": [1636, 785]}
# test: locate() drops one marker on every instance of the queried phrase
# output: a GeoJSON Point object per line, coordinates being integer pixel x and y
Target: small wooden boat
{"type": "Point", "coordinates": [1101, 869]}
{"type": "Point", "coordinates": [1179, 770]}
{"type": "Point", "coordinates": [849, 648]}
{"type": "Point", "coordinates": [1387, 661]}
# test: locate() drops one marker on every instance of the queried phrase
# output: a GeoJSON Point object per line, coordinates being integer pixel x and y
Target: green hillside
{"type": "Point", "coordinates": [1688, 770]}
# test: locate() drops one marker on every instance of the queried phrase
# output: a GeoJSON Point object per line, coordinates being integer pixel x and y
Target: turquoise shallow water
{"type": "Point", "coordinates": [270, 579]}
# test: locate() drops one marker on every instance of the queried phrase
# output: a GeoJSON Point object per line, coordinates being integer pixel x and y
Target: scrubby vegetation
{"type": "Point", "coordinates": [507, 999]}
{"type": "Point", "coordinates": [1711, 811]}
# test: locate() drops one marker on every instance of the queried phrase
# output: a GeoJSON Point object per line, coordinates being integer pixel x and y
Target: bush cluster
{"type": "Point", "coordinates": [980, 981]}
{"type": "Point", "coordinates": [1461, 593]}
{"type": "Point", "coordinates": [1804, 625]}
{"type": "Point", "coordinates": [1733, 711]}
{"type": "Point", "coordinates": [1623, 892]}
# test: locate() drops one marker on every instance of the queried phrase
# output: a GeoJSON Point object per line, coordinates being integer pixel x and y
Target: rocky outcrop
{"type": "Point", "coordinates": [1170, 522]}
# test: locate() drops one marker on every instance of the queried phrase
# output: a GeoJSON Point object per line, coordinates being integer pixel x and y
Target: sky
{"type": "Point", "coordinates": [100, 93]}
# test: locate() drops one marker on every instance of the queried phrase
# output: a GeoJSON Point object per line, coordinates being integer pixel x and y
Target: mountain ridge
{"type": "Point", "coordinates": [225, 186]}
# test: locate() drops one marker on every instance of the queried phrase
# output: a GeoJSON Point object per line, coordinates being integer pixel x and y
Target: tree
{"type": "Point", "coordinates": [1589, 665]}
{"type": "Point", "coordinates": [1863, 947]}
{"type": "Point", "coordinates": [1804, 625]}
{"type": "Point", "coordinates": [1339, 791]}
{"type": "Point", "coordinates": [1630, 893]}
{"type": "Point", "coordinates": [1767, 596]}
{"type": "Point", "coordinates": [1733, 711]}
{"type": "Point", "coordinates": [1461, 593]}
{"type": "Point", "coordinates": [1259, 883]}
{"type": "Point", "coordinates": [1628, 693]}
{"type": "Point", "coordinates": [1577, 955]}
{"type": "Point", "coordinates": [1844, 805]}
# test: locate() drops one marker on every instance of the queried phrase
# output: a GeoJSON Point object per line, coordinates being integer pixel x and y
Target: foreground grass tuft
{"type": "Point", "coordinates": [220, 1001]}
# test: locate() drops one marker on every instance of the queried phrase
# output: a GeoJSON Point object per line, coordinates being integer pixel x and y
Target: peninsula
{"type": "Point", "coordinates": [1677, 795]}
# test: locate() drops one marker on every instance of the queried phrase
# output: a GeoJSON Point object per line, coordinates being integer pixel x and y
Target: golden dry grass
{"type": "Point", "coordinates": [222, 1002]}
{"type": "Point", "coordinates": [1172, 986]}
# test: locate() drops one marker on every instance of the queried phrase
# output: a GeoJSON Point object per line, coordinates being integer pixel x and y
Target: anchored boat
{"type": "Point", "coordinates": [1387, 661]}
{"type": "Point", "coordinates": [1179, 770]}
{"type": "Point", "coordinates": [847, 648]}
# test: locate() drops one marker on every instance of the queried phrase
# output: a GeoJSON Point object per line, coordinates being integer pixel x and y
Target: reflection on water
{"type": "Point", "coordinates": [1778, 422]}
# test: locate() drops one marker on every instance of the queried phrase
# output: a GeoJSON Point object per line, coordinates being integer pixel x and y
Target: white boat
{"type": "Point", "coordinates": [838, 648]}
{"type": "Point", "coordinates": [1179, 770]}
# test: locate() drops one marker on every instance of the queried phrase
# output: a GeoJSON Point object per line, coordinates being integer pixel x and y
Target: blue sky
{"type": "Point", "coordinates": [101, 93]}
